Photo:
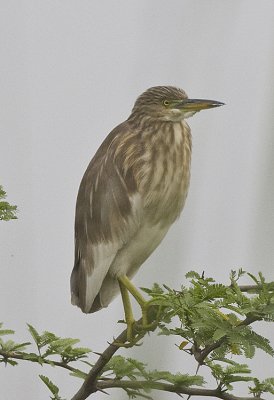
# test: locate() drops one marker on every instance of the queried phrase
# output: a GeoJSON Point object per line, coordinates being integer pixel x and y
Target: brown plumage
{"type": "Point", "coordinates": [132, 191]}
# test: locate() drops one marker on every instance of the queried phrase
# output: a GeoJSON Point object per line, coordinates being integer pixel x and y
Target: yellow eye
{"type": "Point", "coordinates": [166, 103]}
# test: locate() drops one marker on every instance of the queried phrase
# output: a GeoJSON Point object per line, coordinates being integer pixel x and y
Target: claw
{"type": "Point", "coordinates": [131, 343]}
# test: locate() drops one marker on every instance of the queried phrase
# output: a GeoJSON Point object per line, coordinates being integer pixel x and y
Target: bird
{"type": "Point", "coordinates": [133, 190]}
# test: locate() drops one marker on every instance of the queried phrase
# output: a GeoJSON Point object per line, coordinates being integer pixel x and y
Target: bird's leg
{"type": "Point", "coordinates": [127, 286]}
{"type": "Point", "coordinates": [128, 311]}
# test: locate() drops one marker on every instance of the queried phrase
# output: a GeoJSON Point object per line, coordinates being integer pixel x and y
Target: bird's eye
{"type": "Point", "coordinates": [166, 103]}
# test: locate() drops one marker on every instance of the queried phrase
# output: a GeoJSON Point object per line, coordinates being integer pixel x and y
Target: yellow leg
{"type": "Point", "coordinates": [127, 286]}
{"type": "Point", "coordinates": [128, 311]}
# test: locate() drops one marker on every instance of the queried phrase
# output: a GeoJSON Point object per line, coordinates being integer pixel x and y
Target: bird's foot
{"type": "Point", "coordinates": [133, 341]}
{"type": "Point", "coordinates": [127, 345]}
{"type": "Point", "coordinates": [137, 330]}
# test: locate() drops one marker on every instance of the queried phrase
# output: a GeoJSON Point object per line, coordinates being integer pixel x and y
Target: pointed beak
{"type": "Point", "coordinates": [197, 104]}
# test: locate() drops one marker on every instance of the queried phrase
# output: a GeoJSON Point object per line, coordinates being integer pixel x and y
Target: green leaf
{"type": "Point", "coordinates": [192, 274]}
{"type": "Point", "coordinates": [261, 342]}
{"type": "Point", "coordinates": [121, 367]}
{"type": "Point", "coordinates": [218, 334]}
{"type": "Point", "coordinates": [177, 379]}
{"type": "Point", "coordinates": [138, 366]}
{"type": "Point", "coordinates": [239, 378]}
{"type": "Point", "coordinates": [79, 374]}
{"type": "Point", "coordinates": [20, 346]}
{"type": "Point", "coordinates": [61, 345]}
{"type": "Point", "coordinates": [10, 362]}
{"type": "Point", "coordinates": [34, 334]}
{"type": "Point", "coordinates": [6, 332]}
{"type": "Point", "coordinates": [249, 349]}
{"type": "Point", "coordinates": [47, 338]}
{"type": "Point", "coordinates": [253, 277]}
{"type": "Point", "coordinates": [51, 386]}
{"type": "Point", "coordinates": [7, 211]}
{"type": "Point", "coordinates": [64, 347]}
{"type": "Point", "coordinates": [133, 394]}
{"type": "Point", "coordinates": [8, 346]}
{"type": "Point", "coordinates": [154, 291]}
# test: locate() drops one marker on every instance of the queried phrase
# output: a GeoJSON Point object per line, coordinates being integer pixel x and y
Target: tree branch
{"type": "Point", "coordinates": [90, 383]}
{"type": "Point", "coordinates": [168, 387]}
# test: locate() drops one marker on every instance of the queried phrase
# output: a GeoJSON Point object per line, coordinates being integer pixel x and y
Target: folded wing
{"type": "Point", "coordinates": [107, 216]}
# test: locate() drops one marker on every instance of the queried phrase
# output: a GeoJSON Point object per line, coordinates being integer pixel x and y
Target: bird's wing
{"type": "Point", "coordinates": [108, 212]}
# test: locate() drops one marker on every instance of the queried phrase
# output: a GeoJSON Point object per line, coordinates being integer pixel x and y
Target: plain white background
{"type": "Point", "coordinates": [69, 72]}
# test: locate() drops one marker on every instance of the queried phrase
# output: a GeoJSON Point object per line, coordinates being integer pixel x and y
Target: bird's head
{"type": "Point", "coordinates": [169, 103]}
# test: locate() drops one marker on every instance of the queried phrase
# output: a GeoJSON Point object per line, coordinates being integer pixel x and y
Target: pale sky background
{"type": "Point", "coordinates": [69, 72]}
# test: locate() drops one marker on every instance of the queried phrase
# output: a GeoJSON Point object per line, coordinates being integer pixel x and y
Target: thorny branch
{"type": "Point", "coordinates": [92, 385]}
{"type": "Point", "coordinates": [94, 382]}
{"type": "Point", "coordinates": [167, 387]}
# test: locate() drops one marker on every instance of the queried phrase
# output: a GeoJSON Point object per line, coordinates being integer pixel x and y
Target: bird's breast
{"type": "Point", "coordinates": [166, 171]}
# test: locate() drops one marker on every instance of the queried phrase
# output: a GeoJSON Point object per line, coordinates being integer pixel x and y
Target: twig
{"type": "Point", "coordinates": [200, 355]}
{"type": "Point", "coordinates": [22, 356]}
{"type": "Point", "coordinates": [255, 288]}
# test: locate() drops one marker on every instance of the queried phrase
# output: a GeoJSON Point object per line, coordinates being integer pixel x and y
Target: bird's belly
{"type": "Point", "coordinates": [138, 249]}
{"type": "Point", "coordinates": [166, 199]}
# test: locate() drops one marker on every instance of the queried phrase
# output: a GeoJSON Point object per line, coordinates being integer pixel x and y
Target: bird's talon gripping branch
{"type": "Point", "coordinates": [127, 287]}
{"type": "Point", "coordinates": [133, 342]}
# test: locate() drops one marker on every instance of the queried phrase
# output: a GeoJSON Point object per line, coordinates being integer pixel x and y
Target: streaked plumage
{"type": "Point", "coordinates": [132, 191]}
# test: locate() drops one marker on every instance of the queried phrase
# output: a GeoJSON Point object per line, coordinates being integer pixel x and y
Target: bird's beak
{"type": "Point", "coordinates": [197, 104]}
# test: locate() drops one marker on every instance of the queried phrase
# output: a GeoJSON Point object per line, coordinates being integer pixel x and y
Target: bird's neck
{"type": "Point", "coordinates": [165, 172]}
{"type": "Point", "coordinates": [167, 135]}
{"type": "Point", "coordinates": [143, 121]}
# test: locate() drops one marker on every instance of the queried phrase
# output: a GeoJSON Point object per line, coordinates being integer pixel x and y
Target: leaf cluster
{"type": "Point", "coordinates": [260, 387]}
{"type": "Point", "coordinates": [48, 344]}
{"type": "Point", "coordinates": [7, 211]}
{"type": "Point", "coordinates": [52, 387]}
{"type": "Point", "coordinates": [120, 368]}
{"type": "Point", "coordinates": [214, 321]}
{"type": "Point", "coordinates": [232, 373]}
{"type": "Point", "coordinates": [51, 350]}
{"type": "Point", "coordinates": [9, 347]}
